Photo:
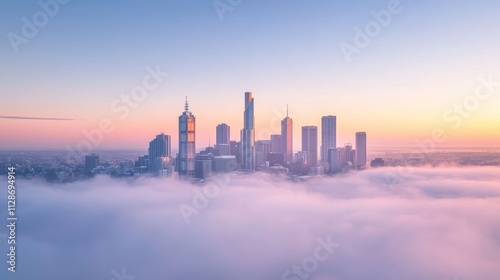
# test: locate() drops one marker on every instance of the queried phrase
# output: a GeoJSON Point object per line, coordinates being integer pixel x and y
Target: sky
{"type": "Point", "coordinates": [413, 223]}
{"type": "Point", "coordinates": [426, 60]}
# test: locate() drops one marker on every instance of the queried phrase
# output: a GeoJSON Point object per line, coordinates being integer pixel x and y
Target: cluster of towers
{"type": "Point", "coordinates": [249, 154]}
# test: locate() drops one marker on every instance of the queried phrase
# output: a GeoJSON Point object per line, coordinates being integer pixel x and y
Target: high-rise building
{"type": "Point", "coordinates": [328, 136]}
{"type": "Point", "coordinates": [248, 135]}
{"type": "Point", "coordinates": [203, 166]}
{"type": "Point", "coordinates": [159, 148]}
{"type": "Point", "coordinates": [361, 150]}
{"type": "Point", "coordinates": [334, 161]}
{"type": "Point", "coordinates": [276, 143]}
{"type": "Point", "coordinates": [223, 134]}
{"type": "Point", "coordinates": [343, 156]}
{"type": "Point", "coordinates": [187, 138]}
{"type": "Point", "coordinates": [348, 154]}
{"type": "Point", "coordinates": [262, 148]}
{"type": "Point", "coordinates": [222, 142]}
{"type": "Point", "coordinates": [310, 144]}
{"type": "Point", "coordinates": [287, 138]}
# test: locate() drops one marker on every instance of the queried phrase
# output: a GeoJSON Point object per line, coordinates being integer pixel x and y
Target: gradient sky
{"type": "Point", "coordinates": [286, 52]}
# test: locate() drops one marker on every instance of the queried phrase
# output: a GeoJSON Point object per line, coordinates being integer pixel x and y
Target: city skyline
{"type": "Point", "coordinates": [309, 139]}
{"type": "Point", "coordinates": [248, 153]}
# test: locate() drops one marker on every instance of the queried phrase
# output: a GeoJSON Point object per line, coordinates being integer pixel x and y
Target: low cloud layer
{"type": "Point", "coordinates": [423, 223]}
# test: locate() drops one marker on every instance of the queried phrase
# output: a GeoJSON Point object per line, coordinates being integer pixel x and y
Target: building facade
{"type": "Point", "coordinates": [334, 161]}
{"type": "Point", "coordinates": [158, 152]}
{"type": "Point", "coordinates": [287, 138]}
{"type": "Point", "coordinates": [262, 148]}
{"type": "Point", "coordinates": [276, 143]}
{"type": "Point", "coordinates": [360, 150]}
{"type": "Point", "coordinates": [310, 144]}
{"type": "Point", "coordinates": [222, 139]}
{"type": "Point", "coordinates": [187, 140]}
{"type": "Point", "coordinates": [248, 135]}
{"type": "Point", "coordinates": [328, 136]}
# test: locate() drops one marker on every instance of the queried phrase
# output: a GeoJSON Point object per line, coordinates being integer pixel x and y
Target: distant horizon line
{"type": "Point", "coordinates": [372, 148]}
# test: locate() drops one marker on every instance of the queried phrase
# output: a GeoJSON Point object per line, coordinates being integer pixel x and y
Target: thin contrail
{"type": "Point", "coordinates": [35, 118]}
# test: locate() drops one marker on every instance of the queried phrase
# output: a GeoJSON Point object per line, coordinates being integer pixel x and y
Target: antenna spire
{"type": "Point", "coordinates": [287, 110]}
{"type": "Point", "coordinates": [186, 106]}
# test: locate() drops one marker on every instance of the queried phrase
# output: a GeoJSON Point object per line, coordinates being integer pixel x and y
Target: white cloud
{"type": "Point", "coordinates": [435, 223]}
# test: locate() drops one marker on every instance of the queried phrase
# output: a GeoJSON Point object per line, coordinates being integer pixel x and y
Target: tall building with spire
{"type": "Point", "coordinates": [287, 138]}
{"type": "Point", "coordinates": [328, 137]}
{"type": "Point", "coordinates": [187, 139]}
{"type": "Point", "coordinates": [248, 135]}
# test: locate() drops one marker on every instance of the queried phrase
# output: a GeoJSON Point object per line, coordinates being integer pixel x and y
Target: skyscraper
{"type": "Point", "coordinates": [328, 136]}
{"type": "Point", "coordinates": [310, 144]}
{"type": "Point", "coordinates": [187, 148]}
{"type": "Point", "coordinates": [159, 148]}
{"type": "Point", "coordinates": [287, 138]}
{"type": "Point", "coordinates": [222, 134]}
{"type": "Point", "coordinates": [262, 148]}
{"type": "Point", "coordinates": [222, 142]}
{"type": "Point", "coordinates": [248, 134]}
{"type": "Point", "coordinates": [361, 150]}
{"type": "Point", "coordinates": [276, 143]}
{"type": "Point", "coordinates": [203, 166]}
{"type": "Point", "coordinates": [334, 158]}
{"type": "Point", "coordinates": [347, 157]}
